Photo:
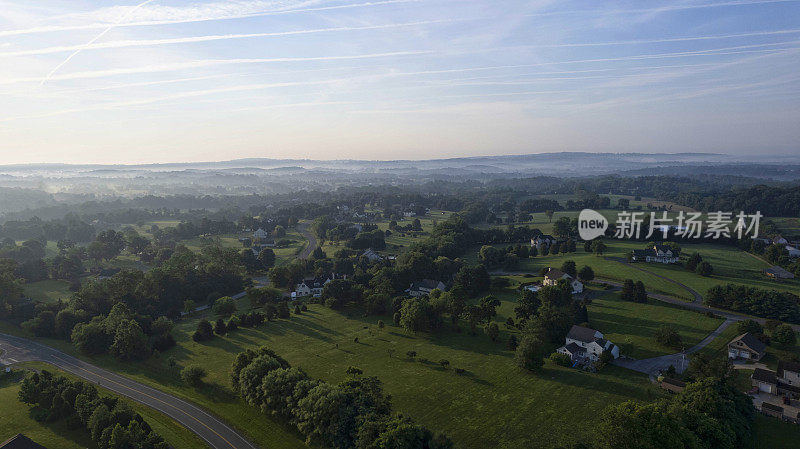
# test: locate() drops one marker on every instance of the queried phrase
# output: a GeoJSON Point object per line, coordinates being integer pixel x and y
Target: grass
{"type": "Point", "coordinates": [16, 418]}
{"type": "Point", "coordinates": [49, 290]}
{"type": "Point", "coordinates": [631, 325]}
{"type": "Point", "coordinates": [493, 404]}
{"type": "Point", "coordinates": [772, 433]}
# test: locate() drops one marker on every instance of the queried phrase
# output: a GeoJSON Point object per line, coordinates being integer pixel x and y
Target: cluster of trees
{"type": "Point", "coordinates": [121, 333]}
{"type": "Point", "coordinates": [634, 291]}
{"type": "Point", "coordinates": [696, 264]}
{"type": "Point", "coordinates": [709, 413]}
{"type": "Point", "coordinates": [544, 318]}
{"type": "Point", "coordinates": [771, 331]}
{"type": "Point", "coordinates": [111, 422]}
{"type": "Point", "coordinates": [773, 304]}
{"type": "Point", "coordinates": [352, 414]}
{"type": "Point", "coordinates": [225, 307]}
{"type": "Point", "coordinates": [68, 228]}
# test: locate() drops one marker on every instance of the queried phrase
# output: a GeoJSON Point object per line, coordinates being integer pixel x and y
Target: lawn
{"type": "Point", "coordinates": [631, 325]}
{"type": "Point", "coordinates": [49, 290]}
{"type": "Point", "coordinates": [494, 404]}
{"type": "Point", "coordinates": [16, 419]}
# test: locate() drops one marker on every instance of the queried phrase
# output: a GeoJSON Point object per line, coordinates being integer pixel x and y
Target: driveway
{"type": "Point", "coordinates": [680, 361]}
{"type": "Point", "coordinates": [217, 434]}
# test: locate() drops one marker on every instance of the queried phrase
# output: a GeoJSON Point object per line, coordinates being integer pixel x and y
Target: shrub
{"type": "Point", "coordinates": [667, 336]}
{"type": "Point", "coordinates": [560, 359]}
{"type": "Point", "coordinates": [224, 306]}
{"type": "Point", "coordinates": [193, 375]}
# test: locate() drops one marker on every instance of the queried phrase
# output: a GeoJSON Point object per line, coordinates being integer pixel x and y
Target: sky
{"type": "Point", "coordinates": [123, 81]}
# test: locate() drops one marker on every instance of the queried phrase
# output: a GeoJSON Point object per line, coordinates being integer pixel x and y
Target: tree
{"type": "Point", "coordinates": [549, 213]}
{"type": "Point", "coordinates": [493, 331]}
{"type": "Point", "coordinates": [224, 306]}
{"type": "Point", "coordinates": [444, 363]}
{"type": "Point", "coordinates": [784, 335]}
{"type": "Point", "coordinates": [704, 269]}
{"type": "Point", "coordinates": [560, 359]}
{"type": "Point", "coordinates": [318, 253]}
{"type": "Point", "coordinates": [204, 331]}
{"type": "Point", "coordinates": [512, 343]}
{"type": "Point", "coordinates": [667, 336]}
{"type": "Point", "coordinates": [751, 326]}
{"type": "Point", "coordinates": [129, 343]}
{"type": "Point", "coordinates": [529, 354]}
{"type": "Point", "coordinates": [527, 305]}
{"type": "Point", "coordinates": [598, 247]}
{"type": "Point", "coordinates": [628, 290]}
{"type": "Point", "coordinates": [193, 375]}
{"type": "Point", "coordinates": [279, 232]}
{"type": "Point", "coordinates": [640, 292]}
{"type": "Point", "coordinates": [91, 337]}
{"type": "Point", "coordinates": [586, 274]}
{"type": "Point", "coordinates": [570, 268]}
{"type": "Point", "coordinates": [693, 261]}
{"type": "Point", "coordinates": [220, 328]}
{"type": "Point", "coordinates": [632, 425]}
{"type": "Point", "coordinates": [267, 258]}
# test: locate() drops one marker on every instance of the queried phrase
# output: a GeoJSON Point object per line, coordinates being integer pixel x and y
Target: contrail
{"type": "Point", "coordinates": [103, 33]}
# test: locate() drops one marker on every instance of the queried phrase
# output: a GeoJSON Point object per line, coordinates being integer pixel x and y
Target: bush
{"type": "Point", "coordinates": [204, 331]}
{"type": "Point", "coordinates": [704, 269]}
{"type": "Point", "coordinates": [784, 335]}
{"type": "Point", "coordinates": [667, 335]}
{"type": "Point", "coordinates": [560, 359]}
{"type": "Point", "coordinates": [224, 306]}
{"type": "Point", "coordinates": [193, 375]}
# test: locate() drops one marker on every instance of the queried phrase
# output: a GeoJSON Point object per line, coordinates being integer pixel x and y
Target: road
{"type": "Point", "coordinates": [217, 434]}
{"type": "Point", "coordinates": [312, 241]}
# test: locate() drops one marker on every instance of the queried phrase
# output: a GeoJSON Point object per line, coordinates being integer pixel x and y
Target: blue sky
{"type": "Point", "coordinates": [169, 80]}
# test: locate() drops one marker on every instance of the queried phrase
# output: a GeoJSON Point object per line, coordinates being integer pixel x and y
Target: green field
{"type": "Point", "coordinates": [494, 404]}
{"type": "Point", "coordinates": [631, 325]}
{"type": "Point", "coordinates": [48, 290]}
{"type": "Point", "coordinates": [16, 418]}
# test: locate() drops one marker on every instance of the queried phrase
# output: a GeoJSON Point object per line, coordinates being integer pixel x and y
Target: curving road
{"type": "Point", "coordinates": [312, 241]}
{"type": "Point", "coordinates": [217, 434]}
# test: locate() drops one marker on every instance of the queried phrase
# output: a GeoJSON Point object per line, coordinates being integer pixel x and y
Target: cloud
{"type": "Point", "coordinates": [195, 39]}
{"type": "Point", "coordinates": [164, 15]}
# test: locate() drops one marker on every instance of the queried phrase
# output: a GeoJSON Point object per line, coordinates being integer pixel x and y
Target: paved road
{"type": "Point", "coordinates": [217, 434]}
{"type": "Point", "coordinates": [312, 241]}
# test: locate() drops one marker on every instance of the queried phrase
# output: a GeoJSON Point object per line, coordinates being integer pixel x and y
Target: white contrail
{"type": "Point", "coordinates": [208, 18]}
{"type": "Point", "coordinates": [103, 33]}
{"type": "Point", "coordinates": [187, 40]}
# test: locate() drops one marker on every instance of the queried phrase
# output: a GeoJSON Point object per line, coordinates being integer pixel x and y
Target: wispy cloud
{"type": "Point", "coordinates": [197, 39]}
{"type": "Point", "coordinates": [204, 13]}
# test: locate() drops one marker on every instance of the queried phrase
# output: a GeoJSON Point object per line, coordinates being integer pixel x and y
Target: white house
{"type": "Point", "coordinates": [583, 343]}
{"type": "Point", "coordinates": [658, 253]}
{"type": "Point", "coordinates": [541, 241]}
{"type": "Point", "coordinates": [553, 276]}
{"type": "Point", "coordinates": [425, 287]}
{"type": "Point", "coordinates": [311, 287]}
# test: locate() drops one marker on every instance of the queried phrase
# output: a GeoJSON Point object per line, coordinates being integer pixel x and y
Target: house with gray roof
{"type": "Point", "coordinates": [746, 347]}
{"type": "Point", "coordinates": [583, 343]}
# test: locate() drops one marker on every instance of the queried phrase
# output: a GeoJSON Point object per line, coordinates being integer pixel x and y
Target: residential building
{"type": "Point", "coordinates": [552, 276]}
{"type": "Point", "coordinates": [746, 347]}
{"type": "Point", "coordinates": [779, 240]}
{"type": "Point", "coordinates": [542, 241]}
{"type": "Point", "coordinates": [777, 272]}
{"type": "Point", "coordinates": [788, 376]}
{"type": "Point", "coordinates": [656, 254]}
{"type": "Point", "coordinates": [372, 255]}
{"type": "Point", "coordinates": [260, 234]}
{"type": "Point", "coordinates": [793, 252]}
{"type": "Point", "coordinates": [425, 287]}
{"type": "Point", "coordinates": [311, 287]}
{"type": "Point", "coordinates": [765, 380]}
{"type": "Point", "coordinates": [20, 441]}
{"type": "Point", "coordinates": [583, 343]}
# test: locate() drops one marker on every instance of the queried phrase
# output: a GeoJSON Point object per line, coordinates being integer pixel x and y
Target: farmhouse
{"type": "Point", "coordinates": [658, 253]}
{"type": "Point", "coordinates": [746, 347]}
{"type": "Point", "coordinates": [584, 343]}
{"type": "Point", "coordinates": [425, 287]}
{"type": "Point", "coordinates": [777, 272]}
{"type": "Point", "coordinates": [552, 276]}
{"type": "Point", "coordinates": [311, 287]}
